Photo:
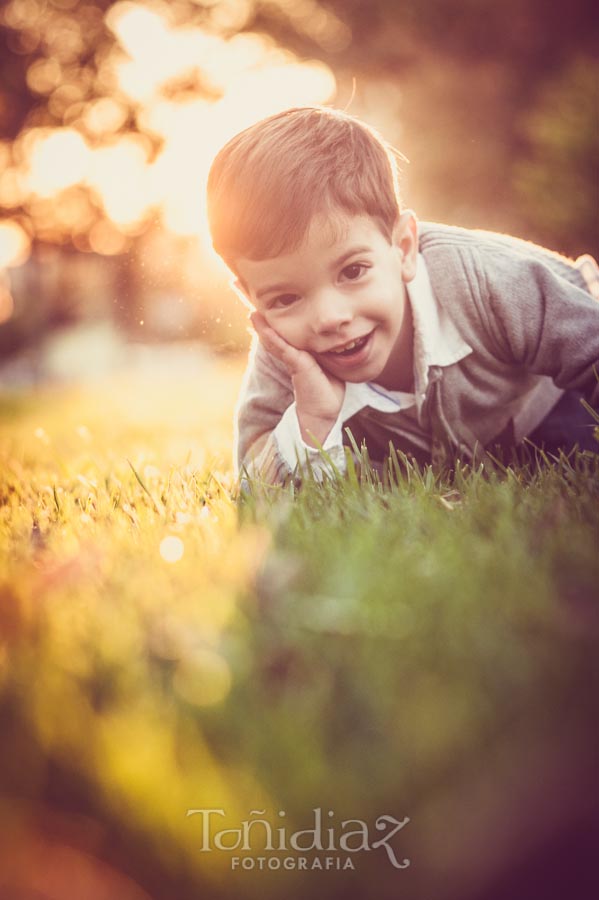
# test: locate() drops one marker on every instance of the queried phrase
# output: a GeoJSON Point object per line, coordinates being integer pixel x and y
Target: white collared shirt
{"type": "Point", "coordinates": [437, 342]}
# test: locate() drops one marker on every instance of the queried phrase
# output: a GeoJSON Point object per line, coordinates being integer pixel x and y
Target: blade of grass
{"type": "Point", "coordinates": [159, 509]}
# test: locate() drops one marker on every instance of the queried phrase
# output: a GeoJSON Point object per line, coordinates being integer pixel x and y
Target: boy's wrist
{"type": "Point", "coordinates": [293, 447]}
{"type": "Point", "coordinates": [315, 429]}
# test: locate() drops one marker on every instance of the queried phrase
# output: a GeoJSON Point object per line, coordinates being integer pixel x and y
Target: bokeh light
{"type": "Point", "coordinates": [172, 549]}
{"type": "Point", "coordinates": [203, 678]}
{"type": "Point", "coordinates": [57, 160]}
{"type": "Point", "coordinates": [14, 244]}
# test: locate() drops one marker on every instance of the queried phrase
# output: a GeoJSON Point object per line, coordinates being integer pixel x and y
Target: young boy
{"type": "Point", "coordinates": [441, 340]}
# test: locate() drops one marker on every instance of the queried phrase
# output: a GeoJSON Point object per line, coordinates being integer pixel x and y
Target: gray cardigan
{"type": "Point", "coordinates": [533, 328]}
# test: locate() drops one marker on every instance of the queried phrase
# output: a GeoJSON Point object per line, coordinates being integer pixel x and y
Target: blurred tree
{"type": "Point", "coordinates": [491, 102]}
{"type": "Point", "coordinates": [557, 174]}
{"type": "Point", "coordinates": [62, 99]}
{"type": "Point", "coordinates": [477, 82]}
{"type": "Point", "coordinates": [57, 68]}
{"type": "Point", "coordinates": [526, 34]}
{"type": "Point", "coordinates": [53, 59]}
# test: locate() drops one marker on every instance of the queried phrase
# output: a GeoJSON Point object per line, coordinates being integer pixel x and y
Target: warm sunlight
{"type": "Point", "coordinates": [188, 91]}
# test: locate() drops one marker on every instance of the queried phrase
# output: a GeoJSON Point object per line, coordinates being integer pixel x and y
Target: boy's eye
{"type": "Point", "coordinates": [353, 271]}
{"type": "Point", "coordinates": [283, 301]}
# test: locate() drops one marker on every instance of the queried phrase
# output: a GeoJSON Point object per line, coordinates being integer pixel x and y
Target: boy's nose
{"type": "Point", "coordinates": [331, 311]}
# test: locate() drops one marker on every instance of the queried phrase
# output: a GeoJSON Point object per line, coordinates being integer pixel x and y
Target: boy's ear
{"type": "Point", "coordinates": [405, 238]}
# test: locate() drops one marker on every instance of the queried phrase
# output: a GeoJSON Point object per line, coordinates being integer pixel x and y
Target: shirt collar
{"type": "Point", "coordinates": [437, 342]}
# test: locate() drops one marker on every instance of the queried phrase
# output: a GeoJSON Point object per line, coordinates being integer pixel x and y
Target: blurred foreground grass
{"type": "Point", "coordinates": [428, 651]}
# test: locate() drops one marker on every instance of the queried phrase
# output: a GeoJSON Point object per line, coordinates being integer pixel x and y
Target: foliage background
{"type": "Point", "coordinates": [111, 112]}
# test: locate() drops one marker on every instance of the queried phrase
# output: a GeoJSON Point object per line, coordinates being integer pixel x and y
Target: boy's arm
{"type": "Point", "coordinates": [268, 437]}
{"type": "Point", "coordinates": [545, 319]}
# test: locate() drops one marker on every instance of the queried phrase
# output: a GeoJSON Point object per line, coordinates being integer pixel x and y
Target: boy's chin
{"type": "Point", "coordinates": [352, 377]}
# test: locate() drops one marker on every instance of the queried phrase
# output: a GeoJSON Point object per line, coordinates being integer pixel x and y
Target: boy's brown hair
{"type": "Point", "coordinates": [267, 183]}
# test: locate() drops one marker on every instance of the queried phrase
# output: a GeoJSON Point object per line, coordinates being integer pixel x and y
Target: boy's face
{"type": "Point", "coordinates": [343, 284]}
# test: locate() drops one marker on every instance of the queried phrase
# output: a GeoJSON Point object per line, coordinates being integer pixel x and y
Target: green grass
{"type": "Point", "coordinates": [424, 647]}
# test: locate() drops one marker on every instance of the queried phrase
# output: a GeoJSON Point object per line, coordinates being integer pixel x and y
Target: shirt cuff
{"type": "Point", "coordinates": [293, 448]}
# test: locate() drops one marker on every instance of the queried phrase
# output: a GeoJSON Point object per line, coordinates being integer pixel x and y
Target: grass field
{"type": "Point", "coordinates": [427, 650]}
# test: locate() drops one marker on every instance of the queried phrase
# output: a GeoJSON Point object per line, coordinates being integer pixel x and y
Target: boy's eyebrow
{"type": "Point", "coordinates": [347, 254]}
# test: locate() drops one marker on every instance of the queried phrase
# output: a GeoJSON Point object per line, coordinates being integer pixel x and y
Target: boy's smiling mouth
{"type": "Point", "coordinates": [350, 346]}
{"type": "Point", "coordinates": [351, 352]}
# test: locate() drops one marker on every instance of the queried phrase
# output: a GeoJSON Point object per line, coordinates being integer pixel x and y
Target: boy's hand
{"type": "Point", "coordinates": [318, 395]}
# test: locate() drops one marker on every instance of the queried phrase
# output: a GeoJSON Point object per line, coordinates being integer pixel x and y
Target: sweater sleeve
{"type": "Point", "coordinates": [544, 317]}
{"type": "Point", "coordinates": [266, 392]}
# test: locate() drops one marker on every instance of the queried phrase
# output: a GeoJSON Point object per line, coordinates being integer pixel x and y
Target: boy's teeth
{"type": "Point", "coordinates": [348, 346]}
